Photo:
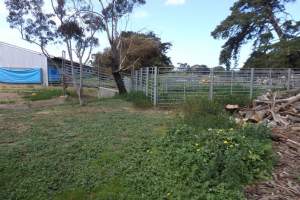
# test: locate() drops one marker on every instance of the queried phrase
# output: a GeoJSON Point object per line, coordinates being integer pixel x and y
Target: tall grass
{"type": "Point", "coordinates": [202, 113]}
{"type": "Point", "coordinates": [139, 99]}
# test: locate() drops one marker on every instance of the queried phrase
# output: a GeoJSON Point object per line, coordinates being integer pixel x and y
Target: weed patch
{"type": "Point", "coordinates": [192, 164]}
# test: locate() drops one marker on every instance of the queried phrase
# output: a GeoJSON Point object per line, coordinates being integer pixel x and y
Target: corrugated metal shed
{"type": "Point", "coordinates": [17, 57]}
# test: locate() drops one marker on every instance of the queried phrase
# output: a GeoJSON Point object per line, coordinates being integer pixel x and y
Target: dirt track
{"type": "Point", "coordinates": [285, 182]}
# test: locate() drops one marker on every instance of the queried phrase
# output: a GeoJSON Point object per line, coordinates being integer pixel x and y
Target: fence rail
{"type": "Point", "coordinates": [166, 86]}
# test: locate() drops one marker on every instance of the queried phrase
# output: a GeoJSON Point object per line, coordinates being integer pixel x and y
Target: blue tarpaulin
{"type": "Point", "coordinates": [21, 75]}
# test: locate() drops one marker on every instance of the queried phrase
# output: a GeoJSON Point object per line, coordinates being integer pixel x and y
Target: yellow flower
{"type": "Point", "coordinates": [225, 142]}
{"type": "Point", "coordinates": [33, 94]}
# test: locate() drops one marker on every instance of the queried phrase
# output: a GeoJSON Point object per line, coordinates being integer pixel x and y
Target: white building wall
{"type": "Point", "coordinates": [17, 57]}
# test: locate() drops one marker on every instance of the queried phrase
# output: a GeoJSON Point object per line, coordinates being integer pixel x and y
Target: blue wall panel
{"type": "Point", "coordinates": [54, 74]}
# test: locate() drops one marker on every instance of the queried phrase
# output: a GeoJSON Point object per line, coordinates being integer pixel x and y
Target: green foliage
{"type": "Point", "coordinates": [42, 94]}
{"type": "Point", "coordinates": [207, 164]}
{"type": "Point", "coordinates": [254, 21]}
{"type": "Point", "coordinates": [138, 50]}
{"type": "Point", "coordinates": [285, 54]}
{"type": "Point", "coordinates": [203, 113]}
{"type": "Point", "coordinates": [139, 99]}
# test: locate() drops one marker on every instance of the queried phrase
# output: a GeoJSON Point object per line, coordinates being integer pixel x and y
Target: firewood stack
{"type": "Point", "coordinates": [276, 109]}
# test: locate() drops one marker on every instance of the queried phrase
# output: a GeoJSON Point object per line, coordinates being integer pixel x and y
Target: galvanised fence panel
{"type": "Point", "coordinates": [167, 87]}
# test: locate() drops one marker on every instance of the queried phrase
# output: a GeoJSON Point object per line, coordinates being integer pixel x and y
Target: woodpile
{"type": "Point", "coordinates": [276, 109]}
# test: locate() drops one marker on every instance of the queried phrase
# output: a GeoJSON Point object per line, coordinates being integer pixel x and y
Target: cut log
{"type": "Point", "coordinates": [274, 109]}
{"type": "Point", "coordinates": [232, 108]}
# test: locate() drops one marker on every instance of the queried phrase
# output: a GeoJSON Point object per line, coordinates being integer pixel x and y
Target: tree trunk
{"type": "Point", "coordinates": [275, 24]}
{"type": "Point", "coordinates": [120, 83]}
{"type": "Point", "coordinates": [79, 89]}
{"type": "Point", "coordinates": [115, 69]}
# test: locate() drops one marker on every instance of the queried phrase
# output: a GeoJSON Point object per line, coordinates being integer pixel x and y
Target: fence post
{"type": "Point", "coordinates": [289, 79]}
{"type": "Point", "coordinates": [155, 87]}
{"type": "Point", "coordinates": [136, 80]}
{"type": "Point", "coordinates": [184, 90]}
{"type": "Point", "coordinates": [64, 87]}
{"type": "Point", "coordinates": [231, 83]}
{"type": "Point", "coordinates": [132, 79]}
{"type": "Point", "coordinates": [251, 83]}
{"type": "Point", "coordinates": [99, 82]}
{"type": "Point", "coordinates": [211, 88]}
{"type": "Point", "coordinates": [147, 81]}
{"type": "Point", "coordinates": [270, 79]}
{"type": "Point", "coordinates": [141, 80]}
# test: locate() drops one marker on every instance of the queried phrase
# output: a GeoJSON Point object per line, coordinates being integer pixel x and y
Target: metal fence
{"type": "Point", "coordinates": [166, 87]}
{"type": "Point", "coordinates": [93, 77]}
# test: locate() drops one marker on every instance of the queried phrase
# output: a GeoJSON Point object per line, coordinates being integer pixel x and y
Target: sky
{"type": "Point", "coordinates": [187, 24]}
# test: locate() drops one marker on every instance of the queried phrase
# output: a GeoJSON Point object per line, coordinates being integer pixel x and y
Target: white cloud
{"type": "Point", "coordinates": [175, 2]}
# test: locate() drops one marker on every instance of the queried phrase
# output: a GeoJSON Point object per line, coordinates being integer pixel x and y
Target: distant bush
{"type": "Point", "coordinates": [43, 94]}
{"type": "Point", "coordinates": [203, 113]}
{"type": "Point", "coordinates": [139, 99]}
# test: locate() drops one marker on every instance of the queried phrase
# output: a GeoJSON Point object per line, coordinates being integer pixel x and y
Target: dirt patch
{"type": "Point", "coordinates": [22, 104]}
{"type": "Point", "coordinates": [10, 96]}
{"type": "Point", "coordinates": [285, 182]}
{"type": "Point", "coordinates": [17, 86]}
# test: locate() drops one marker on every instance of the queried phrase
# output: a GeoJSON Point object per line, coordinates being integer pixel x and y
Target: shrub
{"type": "Point", "coordinates": [139, 99]}
{"type": "Point", "coordinates": [203, 113]}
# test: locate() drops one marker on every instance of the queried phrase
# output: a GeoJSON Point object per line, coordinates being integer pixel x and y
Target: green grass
{"type": "Point", "coordinates": [72, 152]}
{"type": "Point", "coordinates": [42, 94]}
{"type": "Point", "coordinates": [7, 101]}
{"type": "Point", "coordinates": [108, 150]}
{"type": "Point", "coordinates": [139, 99]}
